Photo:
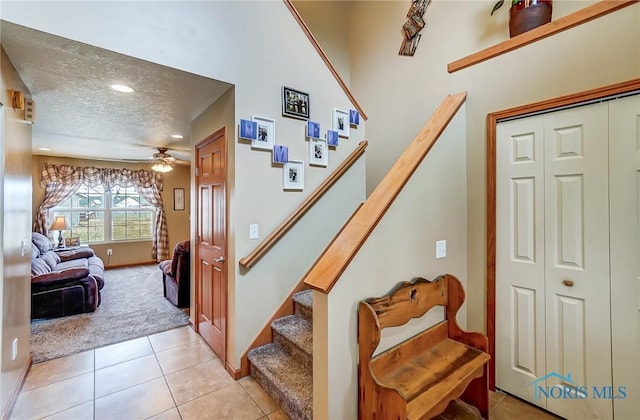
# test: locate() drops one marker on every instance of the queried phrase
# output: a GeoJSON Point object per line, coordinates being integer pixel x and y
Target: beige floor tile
{"type": "Point", "coordinates": [54, 398]}
{"type": "Point", "coordinates": [178, 358]}
{"type": "Point", "coordinates": [229, 403]}
{"type": "Point", "coordinates": [80, 412]}
{"type": "Point", "coordinates": [173, 338]}
{"type": "Point", "coordinates": [264, 401]}
{"type": "Point", "coordinates": [124, 375]}
{"type": "Point", "coordinates": [59, 369]}
{"type": "Point", "coordinates": [172, 414]}
{"type": "Point", "coordinates": [122, 352]}
{"type": "Point", "coordinates": [495, 398]}
{"type": "Point", "coordinates": [138, 402]}
{"type": "Point", "coordinates": [512, 408]}
{"type": "Point", "coordinates": [278, 415]}
{"type": "Point", "coordinates": [196, 381]}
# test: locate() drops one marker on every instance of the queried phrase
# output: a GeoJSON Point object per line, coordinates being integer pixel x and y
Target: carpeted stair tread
{"type": "Point", "coordinates": [297, 330]}
{"type": "Point", "coordinates": [284, 379]}
{"type": "Point", "coordinates": [304, 298]}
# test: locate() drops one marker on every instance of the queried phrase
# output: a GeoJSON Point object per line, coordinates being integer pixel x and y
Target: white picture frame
{"type": "Point", "coordinates": [340, 122]}
{"type": "Point", "coordinates": [293, 175]}
{"type": "Point", "coordinates": [318, 152]}
{"type": "Point", "coordinates": [265, 133]}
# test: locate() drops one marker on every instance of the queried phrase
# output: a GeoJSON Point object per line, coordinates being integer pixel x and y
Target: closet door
{"type": "Point", "coordinates": [520, 312]}
{"type": "Point", "coordinates": [624, 145]}
{"type": "Point", "coordinates": [578, 328]}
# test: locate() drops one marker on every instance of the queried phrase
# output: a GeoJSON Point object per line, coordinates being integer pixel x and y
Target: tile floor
{"type": "Point", "coordinates": [166, 376]}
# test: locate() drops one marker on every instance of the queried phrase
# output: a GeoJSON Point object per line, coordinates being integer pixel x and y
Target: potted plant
{"type": "Point", "coordinates": [526, 14]}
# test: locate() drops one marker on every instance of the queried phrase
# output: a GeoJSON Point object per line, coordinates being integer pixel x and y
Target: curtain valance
{"type": "Point", "coordinates": [107, 177]}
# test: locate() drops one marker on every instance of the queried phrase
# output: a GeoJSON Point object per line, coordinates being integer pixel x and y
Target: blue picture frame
{"type": "Point", "coordinates": [280, 154]}
{"type": "Point", "coordinates": [332, 138]}
{"type": "Point", "coordinates": [248, 130]}
{"type": "Point", "coordinates": [313, 129]}
{"type": "Point", "coordinates": [354, 117]}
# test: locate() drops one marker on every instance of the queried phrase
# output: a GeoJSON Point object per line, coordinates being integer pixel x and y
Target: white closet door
{"type": "Point", "coordinates": [624, 147]}
{"type": "Point", "coordinates": [520, 323]}
{"type": "Point", "coordinates": [578, 327]}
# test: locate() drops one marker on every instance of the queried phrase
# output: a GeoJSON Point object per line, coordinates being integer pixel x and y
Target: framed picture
{"type": "Point", "coordinates": [293, 175]}
{"type": "Point", "coordinates": [280, 154]}
{"type": "Point", "coordinates": [354, 117]}
{"type": "Point", "coordinates": [265, 133]}
{"type": "Point", "coordinates": [71, 242]}
{"type": "Point", "coordinates": [341, 122]}
{"type": "Point", "coordinates": [295, 104]}
{"type": "Point", "coordinates": [313, 129]}
{"type": "Point", "coordinates": [332, 138]}
{"type": "Point", "coordinates": [318, 152]}
{"type": "Point", "coordinates": [248, 130]}
{"type": "Point", "coordinates": [178, 199]}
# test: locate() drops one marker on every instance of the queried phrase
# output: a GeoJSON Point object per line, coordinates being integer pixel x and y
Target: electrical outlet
{"type": "Point", "coordinates": [441, 249]}
{"type": "Point", "coordinates": [109, 252]}
{"type": "Point", "coordinates": [254, 232]}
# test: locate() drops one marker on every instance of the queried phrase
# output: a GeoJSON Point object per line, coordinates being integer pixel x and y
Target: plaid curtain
{"type": "Point", "coordinates": [61, 181]}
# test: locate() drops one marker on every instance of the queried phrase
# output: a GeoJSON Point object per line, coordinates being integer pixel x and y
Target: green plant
{"type": "Point", "coordinates": [499, 4]}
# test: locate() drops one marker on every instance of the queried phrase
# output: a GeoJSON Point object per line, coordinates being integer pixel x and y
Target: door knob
{"type": "Point", "coordinates": [567, 282]}
{"type": "Point", "coordinates": [219, 260]}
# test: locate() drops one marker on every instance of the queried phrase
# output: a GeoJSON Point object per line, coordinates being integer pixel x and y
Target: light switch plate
{"type": "Point", "coordinates": [254, 232]}
{"type": "Point", "coordinates": [441, 249]}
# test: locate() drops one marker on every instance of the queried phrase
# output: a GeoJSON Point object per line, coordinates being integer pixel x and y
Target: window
{"type": "Point", "coordinates": [96, 215]}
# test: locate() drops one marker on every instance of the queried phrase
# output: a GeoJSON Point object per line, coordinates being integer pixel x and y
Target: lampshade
{"type": "Point", "coordinates": [59, 223]}
{"type": "Point", "coordinates": [162, 167]}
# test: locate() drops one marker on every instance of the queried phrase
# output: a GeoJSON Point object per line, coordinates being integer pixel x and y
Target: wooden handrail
{"type": "Point", "coordinates": [324, 57]}
{"type": "Point", "coordinates": [591, 12]}
{"type": "Point", "coordinates": [337, 256]}
{"type": "Point", "coordinates": [274, 236]}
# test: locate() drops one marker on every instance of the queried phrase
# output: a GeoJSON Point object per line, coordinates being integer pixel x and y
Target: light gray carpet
{"type": "Point", "coordinates": [132, 306]}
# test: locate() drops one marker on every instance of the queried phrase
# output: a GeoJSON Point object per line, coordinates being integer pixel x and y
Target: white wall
{"type": "Point", "coordinates": [400, 248]}
{"type": "Point", "coordinates": [258, 47]}
{"type": "Point", "coordinates": [15, 226]}
{"type": "Point", "coordinates": [407, 89]}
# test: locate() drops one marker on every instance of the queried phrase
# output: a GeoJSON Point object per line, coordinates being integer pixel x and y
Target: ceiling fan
{"type": "Point", "coordinates": [164, 161]}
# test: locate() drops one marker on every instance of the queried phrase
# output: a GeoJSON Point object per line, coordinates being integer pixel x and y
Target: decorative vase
{"type": "Point", "coordinates": [528, 14]}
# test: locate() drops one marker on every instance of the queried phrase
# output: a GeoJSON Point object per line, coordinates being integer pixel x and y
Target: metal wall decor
{"type": "Point", "coordinates": [412, 27]}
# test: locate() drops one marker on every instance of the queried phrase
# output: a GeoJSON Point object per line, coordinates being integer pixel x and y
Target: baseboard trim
{"type": "Point", "coordinates": [234, 373]}
{"type": "Point", "coordinates": [8, 409]}
{"type": "Point", "coordinates": [130, 265]}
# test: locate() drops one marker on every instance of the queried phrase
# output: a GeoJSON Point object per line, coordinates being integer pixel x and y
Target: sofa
{"type": "Point", "coordinates": [63, 282]}
{"type": "Point", "coordinates": [175, 275]}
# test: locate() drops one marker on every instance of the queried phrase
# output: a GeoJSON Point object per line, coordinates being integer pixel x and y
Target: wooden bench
{"type": "Point", "coordinates": [417, 378]}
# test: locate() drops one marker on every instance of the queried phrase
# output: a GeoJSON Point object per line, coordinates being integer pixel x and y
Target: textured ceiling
{"type": "Point", "coordinates": [79, 115]}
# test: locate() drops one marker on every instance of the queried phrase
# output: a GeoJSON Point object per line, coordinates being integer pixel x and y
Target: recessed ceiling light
{"type": "Point", "coordinates": [44, 149]}
{"type": "Point", "coordinates": [177, 136]}
{"type": "Point", "coordinates": [122, 88]}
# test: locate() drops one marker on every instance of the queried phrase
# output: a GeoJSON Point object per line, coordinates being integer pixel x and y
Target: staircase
{"type": "Point", "coordinates": [284, 368]}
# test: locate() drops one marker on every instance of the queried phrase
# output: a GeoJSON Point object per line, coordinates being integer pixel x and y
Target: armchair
{"type": "Point", "coordinates": [176, 275]}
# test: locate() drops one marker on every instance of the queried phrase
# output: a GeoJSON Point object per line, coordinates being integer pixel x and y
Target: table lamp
{"type": "Point", "coordinates": [60, 224]}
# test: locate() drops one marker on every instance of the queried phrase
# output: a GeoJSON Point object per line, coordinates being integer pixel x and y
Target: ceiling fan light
{"type": "Point", "coordinates": [162, 167]}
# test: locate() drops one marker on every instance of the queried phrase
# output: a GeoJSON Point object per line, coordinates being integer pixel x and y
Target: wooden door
{"type": "Point", "coordinates": [520, 310]}
{"type": "Point", "coordinates": [211, 273]}
{"type": "Point", "coordinates": [578, 326]}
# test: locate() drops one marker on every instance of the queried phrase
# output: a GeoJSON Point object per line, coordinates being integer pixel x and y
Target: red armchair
{"type": "Point", "coordinates": [176, 275]}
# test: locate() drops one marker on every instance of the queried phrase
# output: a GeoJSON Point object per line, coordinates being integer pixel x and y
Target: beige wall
{"type": "Point", "coordinates": [126, 253]}
{"type": "Point", "coordinates": [15, 228]}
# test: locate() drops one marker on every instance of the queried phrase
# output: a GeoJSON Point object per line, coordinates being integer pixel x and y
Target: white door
{"type": "Point", "coordinates": [520, 313]}
{"type": "Point", "coordinates": [578, 326]}
{"type": "Point", "coordinates": [552, 260]}
{"type": "Point", "coordinates": [625, 254]}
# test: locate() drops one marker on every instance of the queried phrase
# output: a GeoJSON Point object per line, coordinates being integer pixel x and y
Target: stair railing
{"type": "Point", "coordinates": [332, 263]}
{"type": "Point", "coordinates": [297, 214]}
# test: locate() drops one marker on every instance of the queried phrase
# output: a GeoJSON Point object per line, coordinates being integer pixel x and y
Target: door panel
{"type": "Point", "coordinates": [211, 290]}
{"type": "Point", "coordinates": [578, 329]}
{"type": "Point", "coordinates": [520, 340]}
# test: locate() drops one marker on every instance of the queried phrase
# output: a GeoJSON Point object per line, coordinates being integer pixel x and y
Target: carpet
{"type": "Point", "coordinates": [132, 306]}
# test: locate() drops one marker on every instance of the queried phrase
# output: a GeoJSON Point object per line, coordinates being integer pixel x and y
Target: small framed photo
{"type": "Point", "coordinates": [341, 122]}
{"type": "Point", "coordinates": [293, 175]}
{"type": "Point", "coordinates": [332, 138]}
{"type": "Point", "coordinates": [248, 130]}
{"type": "Point", "coordinates": [318, 152]}
{"type": "Point", "coordinates": [178, 199]}
{"type": "Point", "coordinates": [313, 129]}
{"type": "Point", "coordinates": [265, 133]}
{"type": "Point", "coordinates": [354, 117]}
{"type": "Point", "coordinates": [280, 154]}
{"type": "Point", "coordinates": [295, 103]}
{"type": "Point", "coordinates": [71, 242]}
